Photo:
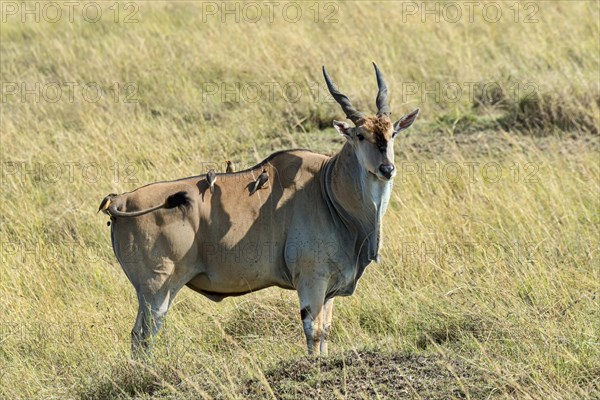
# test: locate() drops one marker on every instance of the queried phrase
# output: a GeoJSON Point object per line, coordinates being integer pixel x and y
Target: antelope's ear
{"type": "Point", "coordinates": [405, 122]}
{"type": "Point", "coordinates": [343, 128]}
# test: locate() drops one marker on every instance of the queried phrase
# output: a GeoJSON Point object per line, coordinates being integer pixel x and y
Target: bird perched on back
{"type": "Point", "coordinates": [260, 181]}
{"type": "Point", "coordinates": [211, 177]}
{"type": "Point", "coordinates": [106, 202]}
{"type": "Point", "coordinates": [229, 166]}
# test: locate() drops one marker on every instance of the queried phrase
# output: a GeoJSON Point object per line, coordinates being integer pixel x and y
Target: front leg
{"type": "Point", "coordinates": [327, 316]}
{"type": "Point", "coordinates": [312, 296]}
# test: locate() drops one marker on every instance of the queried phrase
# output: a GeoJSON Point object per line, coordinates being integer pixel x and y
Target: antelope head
{"type": "Point", "coordinates": [372, 137]}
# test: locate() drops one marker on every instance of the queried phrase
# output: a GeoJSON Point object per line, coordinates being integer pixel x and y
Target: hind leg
{"type": "Point", "coordinates": [155, 294]}
{"type": "Point", "coordinates": [152, 310]}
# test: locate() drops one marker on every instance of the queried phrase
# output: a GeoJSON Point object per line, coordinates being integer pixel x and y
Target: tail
{"type": "Point", "coordinates": [109, 206]}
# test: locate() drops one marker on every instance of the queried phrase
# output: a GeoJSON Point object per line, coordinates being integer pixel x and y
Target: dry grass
{"type": "Point", "coordinates": [495, 269]}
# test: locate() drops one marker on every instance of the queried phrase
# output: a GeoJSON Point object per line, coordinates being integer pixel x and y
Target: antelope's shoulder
{"type": "Point", "coordinates": [296, 158]}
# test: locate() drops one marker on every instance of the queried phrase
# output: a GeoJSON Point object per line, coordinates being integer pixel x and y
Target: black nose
{"type": "Point", "coordinates": [386, 170]}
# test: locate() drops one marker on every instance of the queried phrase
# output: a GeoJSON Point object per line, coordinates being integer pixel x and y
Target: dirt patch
{"type": "Point", "coordinates": [368, 374]}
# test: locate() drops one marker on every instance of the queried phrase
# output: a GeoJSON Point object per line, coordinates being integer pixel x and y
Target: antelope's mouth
{"type": "Point", "coordinates": [381, 177]}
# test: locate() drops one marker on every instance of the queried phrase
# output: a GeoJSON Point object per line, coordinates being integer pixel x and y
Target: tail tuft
{"type": "Point", "coordinates": [177, 199]}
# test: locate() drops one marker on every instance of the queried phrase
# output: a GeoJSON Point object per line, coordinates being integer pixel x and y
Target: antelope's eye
{"type": "Point", "coordinates": [360, 137]}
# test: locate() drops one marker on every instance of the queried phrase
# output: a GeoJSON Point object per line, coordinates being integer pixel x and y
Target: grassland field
{"type": "Point", "coordinates": [489, 281]}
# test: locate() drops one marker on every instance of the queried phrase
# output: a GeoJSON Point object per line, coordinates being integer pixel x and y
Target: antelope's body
{"type": "Point", "coordinates": [314, 228]}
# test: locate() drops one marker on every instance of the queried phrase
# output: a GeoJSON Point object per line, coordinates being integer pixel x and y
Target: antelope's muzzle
{"type": "Point", "coordinates": [387, 170]}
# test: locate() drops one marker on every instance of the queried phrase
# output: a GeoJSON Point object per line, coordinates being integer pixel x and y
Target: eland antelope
{"type": "Point", "coordinates": [313, 229]}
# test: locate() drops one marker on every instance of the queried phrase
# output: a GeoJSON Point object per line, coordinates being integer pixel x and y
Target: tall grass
{"type": "Point", "coordinates": [490, 243]}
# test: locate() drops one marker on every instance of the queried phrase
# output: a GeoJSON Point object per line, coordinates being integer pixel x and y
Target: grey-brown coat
{"type": "Point", "coordinates": [314, 228]}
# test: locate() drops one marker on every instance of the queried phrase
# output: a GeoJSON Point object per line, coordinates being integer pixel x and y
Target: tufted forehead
{"type": "Point", "coordinates": [377, 128]}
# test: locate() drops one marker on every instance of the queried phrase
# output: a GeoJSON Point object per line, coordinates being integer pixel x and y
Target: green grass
{"type": "Point", "coordinates": [495, 270]}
